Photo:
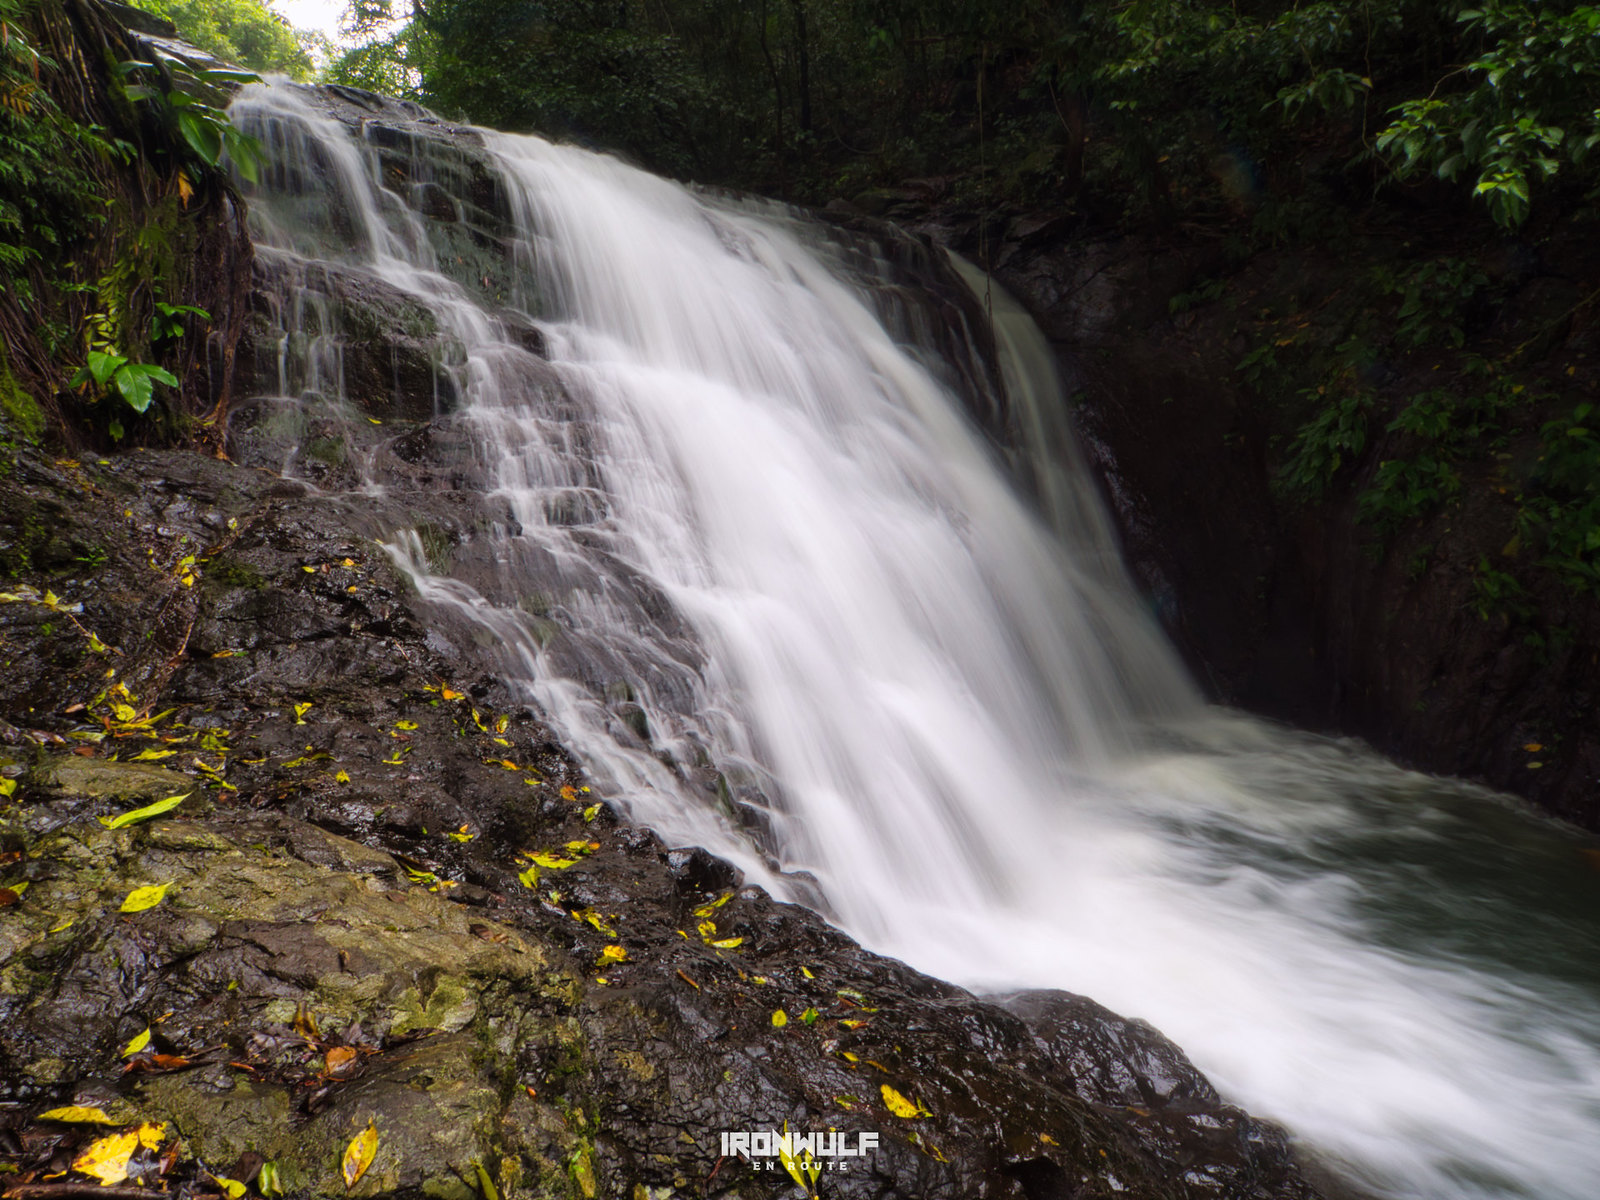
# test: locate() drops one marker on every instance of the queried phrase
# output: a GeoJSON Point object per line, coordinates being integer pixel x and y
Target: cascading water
{"type": "Point", "coordinates": [747, 553]}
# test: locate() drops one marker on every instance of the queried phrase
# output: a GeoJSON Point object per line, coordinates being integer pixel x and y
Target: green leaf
{"type": "Point", "coordinates": [135, 387]}
{"type": "Point", "coordinates": [103, 366]}
{"type": "Point", "coordinates": [245, 151]}
{"type": "Point", "coordinates": [485, 1185]}
{"type": "Point", "coordinates": [145, 813]}
{"type": "Point", "coordinates": [268, 1181]}
{"type": "Point", "coordinates": [224, 75]}
{"type": "Point", "coordinates": [203, 136]}
{"type": "Point", "coordinates": [135, 382]}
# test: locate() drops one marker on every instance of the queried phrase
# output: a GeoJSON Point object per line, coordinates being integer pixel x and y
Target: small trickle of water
{"type": "Point", "coordinates": [747, 551]}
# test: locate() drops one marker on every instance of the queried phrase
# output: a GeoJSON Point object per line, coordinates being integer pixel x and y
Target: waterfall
{"type": "Point", "coordinates": [736, 535]}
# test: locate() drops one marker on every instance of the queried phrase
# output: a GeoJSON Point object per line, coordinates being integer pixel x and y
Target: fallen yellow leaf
{"type": "Point", "coordinates": [555, 862]}
{"type": "Point", "coordinates": [614, 954]}
{"type": "Point", "coordinates": [144, 814]}
{"type": "Point", "coordinates": [899, 1105]}
{"type": "Point", "coordinates": [358, 1155]}
{"type": "Point", "coordinates": [138, 1043]}
{"type": "Point", "coordinates": [146, 897]}
{"type": "Point", "coordinates": [107, 1158]}
{"type": "Point", "coordinates": [78, 1114]}
{"type": "Point", "coordinates": [780, 1018]}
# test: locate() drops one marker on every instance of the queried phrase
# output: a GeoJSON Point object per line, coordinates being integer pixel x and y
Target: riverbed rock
{"type": "Point", "coordinates": [354, 932]}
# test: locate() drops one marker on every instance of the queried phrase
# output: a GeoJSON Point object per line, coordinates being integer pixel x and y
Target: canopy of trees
{"type": "Point", "coordinates": [1181, 103]}
{"type": "Point", "coordinates": [245, 32]}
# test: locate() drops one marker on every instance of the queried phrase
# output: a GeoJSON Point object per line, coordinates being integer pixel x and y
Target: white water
{"type": "Point", "coordinates": [955, 717]}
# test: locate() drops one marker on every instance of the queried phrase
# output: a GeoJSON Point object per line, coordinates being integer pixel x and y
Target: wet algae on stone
{"type": "Point", "coordinates": [349, 936]}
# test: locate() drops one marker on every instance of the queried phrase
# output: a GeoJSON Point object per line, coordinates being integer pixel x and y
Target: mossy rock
{"type": "Point", "coordinates": [269, 926]}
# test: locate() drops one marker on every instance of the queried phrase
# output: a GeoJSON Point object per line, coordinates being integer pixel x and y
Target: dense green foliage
{"type": "Point", "coordinates": [245, 32]}
{"type": "Point", "coordinates": [1179, 105]}
{"type": "Point", "coordinates": [110, 151]}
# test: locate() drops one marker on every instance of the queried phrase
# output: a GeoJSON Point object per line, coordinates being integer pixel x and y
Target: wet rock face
{"type": "Point", "coordinates": [1307, 613]}
{"type": "Point", "coordinates": [392, 901]}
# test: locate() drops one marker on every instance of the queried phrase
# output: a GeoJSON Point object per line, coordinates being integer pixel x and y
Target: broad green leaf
{"type": "Point", "coordinates": [247, 155]}
{"type": "Point", "coordinates": [136, 388]}
{"type": "Point", "coordinates": [146, 897]}
{"type": "Point", "coordinates": [103, 366]}
{"type": "Point", "coordinates": [203, 136]}
{"type": "Point", "coordinates": [144, 814]}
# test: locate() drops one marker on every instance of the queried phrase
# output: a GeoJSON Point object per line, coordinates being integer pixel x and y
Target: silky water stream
{"type": "Point", "coordinates": [740, 541]}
